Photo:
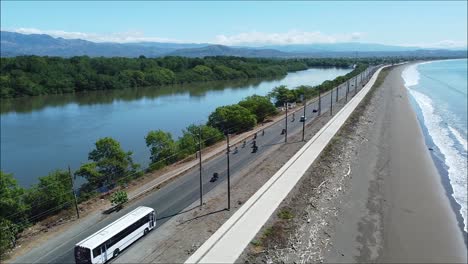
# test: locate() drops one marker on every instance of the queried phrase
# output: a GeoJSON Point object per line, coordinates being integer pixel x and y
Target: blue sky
{"type": "Point", "coordinates": [435, 24]}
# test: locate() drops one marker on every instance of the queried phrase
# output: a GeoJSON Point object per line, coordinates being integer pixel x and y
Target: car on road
{"type": "Point", "coordinates": [303, 119]}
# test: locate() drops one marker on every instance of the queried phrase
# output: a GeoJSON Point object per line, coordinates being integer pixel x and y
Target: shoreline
{"type": "Point", "coordinates": [437, 154]}
{"type": "Point", "coordinates": [396, 208]}
{"type": "Point", "coordinates": [375, 196]}
{"type": "Point", "coordinates": [441, 166]}
{"type": "Point", "coordinates": [419, 209]}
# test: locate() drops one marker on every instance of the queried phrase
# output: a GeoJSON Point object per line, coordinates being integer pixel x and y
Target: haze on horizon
{"type": "Point", "coordinates": [422, 24]}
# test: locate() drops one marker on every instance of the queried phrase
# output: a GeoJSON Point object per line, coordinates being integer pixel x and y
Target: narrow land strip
{"type": "Point", "coordinates": [238, 231]}
{"type": "Point", "coordinates": [373, 196]}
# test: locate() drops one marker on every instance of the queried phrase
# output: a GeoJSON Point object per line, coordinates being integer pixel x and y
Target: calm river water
{"type": "Point", "coordinates": [42, 134]}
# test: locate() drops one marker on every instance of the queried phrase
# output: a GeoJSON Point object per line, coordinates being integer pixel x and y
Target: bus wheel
{"type": "Point", "coordinates": [146, 231]}
{"type": "Point", "coordinates": [116, 252]}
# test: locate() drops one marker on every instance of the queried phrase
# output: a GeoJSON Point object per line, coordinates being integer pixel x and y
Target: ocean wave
{"type": "Point", "coordinates": [461, 139]}
{"type": "Point", "coordinates": [455, 161]}
{"type": "Point", "coordinates": [411, 75]}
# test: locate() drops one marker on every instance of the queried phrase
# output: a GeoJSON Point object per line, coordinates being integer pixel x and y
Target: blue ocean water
{"type": "Point", "coordinates": [439, 89]}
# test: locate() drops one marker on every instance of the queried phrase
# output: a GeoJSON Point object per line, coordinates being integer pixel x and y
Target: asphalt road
{"type": "Point", "coordinates": [182, 192]}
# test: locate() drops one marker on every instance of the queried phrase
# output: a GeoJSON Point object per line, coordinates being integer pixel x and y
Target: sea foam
{"type": "Point", "coordinates": [411, 75]}
{"type": "Point", "coordinates": [461, 139]}
{"type": "Point", "coordinates": [455, 161]}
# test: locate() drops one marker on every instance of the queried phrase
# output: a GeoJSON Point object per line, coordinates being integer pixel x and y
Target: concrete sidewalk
{"type": "Point", "coordinates": [228, 242]}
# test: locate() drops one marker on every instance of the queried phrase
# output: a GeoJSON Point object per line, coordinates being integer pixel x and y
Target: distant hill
{"type": "Point", "coordinates": [15, 44]}
{"type": "Point", "coordinates": [339, 47]}
{"type": "Point", "coordinates": [220, 50]}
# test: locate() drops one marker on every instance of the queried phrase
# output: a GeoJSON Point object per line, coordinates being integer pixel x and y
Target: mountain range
{"type": "Point", "coordinates": [16, 44]}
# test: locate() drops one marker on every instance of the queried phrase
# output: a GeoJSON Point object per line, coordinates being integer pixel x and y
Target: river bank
{"type": "Point", "coordinates": [159, 199]}
{"type": "Point", "coordinates": [63, 132]}
{"type": "Point", "coordinates": [374, 196]}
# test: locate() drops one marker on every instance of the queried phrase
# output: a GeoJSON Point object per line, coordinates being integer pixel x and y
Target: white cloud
{"type": "Point", "coordinates": [121, 37]}
{"type": "Point", "coordinates": [253, 38]}
{"type": "Point", "coordinates": [290, 37]}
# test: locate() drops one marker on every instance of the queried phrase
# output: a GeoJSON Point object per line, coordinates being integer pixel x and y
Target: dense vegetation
{"type": "Point", "coordinates": [282, 94]}
{"type": "Point", "coordinates": [34, 75]}
{"type": "Point", "coordinates": [109, 165]}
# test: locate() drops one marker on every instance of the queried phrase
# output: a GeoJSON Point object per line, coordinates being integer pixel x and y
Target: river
{"type": "Point", "coordinates": [45, 133]}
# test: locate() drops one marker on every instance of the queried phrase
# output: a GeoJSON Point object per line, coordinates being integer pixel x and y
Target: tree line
{"type": "Point", "coordinates": [35, 75]}
{"type": "Point", "coordinates": [109, 165]}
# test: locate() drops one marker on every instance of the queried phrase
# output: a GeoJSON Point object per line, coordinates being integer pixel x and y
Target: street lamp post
{"type": "Point", "coordinates": [286, 125]}
{"type": "Point", "coordinates": [355, 85]}
{"type": "Point", "coordinates": [74, 193]}
{"type": "Point", "coordinates": [200, 164]}
{"type": "Point", "coordinates": [303, 123]}
{"type": "Point", "coordinates": [337, 89]}
{"type": "Point", "coordinates": [228, 171]}
{"type": "Point", "coordinates": [320, 103]}
{"type": "Point", "coordinates": [347, 91]}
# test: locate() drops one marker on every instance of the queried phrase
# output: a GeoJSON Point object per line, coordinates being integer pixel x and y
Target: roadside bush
{"type": "Point", "coordinates": [260, 106]}
{"type": "Point", "coordinates": [119, 198]}
{"type": "Point", "coordinates": [233, 117]}
{"type": "Point", "coordinates": [281, 95]}
{"type": "Point", "coordinates": [109, 162]}
{"type": "Point", "coordinates": [52, 191]}
{"type": "Point", "coordinates": [162, 147]}
{"type": "Point", "coordinates": [13, 212]}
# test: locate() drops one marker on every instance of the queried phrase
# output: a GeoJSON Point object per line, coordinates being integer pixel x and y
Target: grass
{"type": "Point", "coordinates": [285, 214]}
{"type": "Point", "coordinates": [256, 243]}
{"type": "Point", "coordinates": [268, 231]}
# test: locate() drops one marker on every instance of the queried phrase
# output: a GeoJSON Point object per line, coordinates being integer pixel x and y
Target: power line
{"type": "Point", "coordinates": [131, 174]}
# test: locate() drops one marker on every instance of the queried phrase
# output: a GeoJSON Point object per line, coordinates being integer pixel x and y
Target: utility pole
{"type": "Point", "coordinates": [355, 84]}
{"type": "Point", "coordinates": [286, 125]}
{"type": "Point", "coordinates": [303, 123]}
{"type": "Point", "coordinates": [228, 171]}
{"type": "Point", "coordinates": [200, 164]}
{"type": "Point", "coordinates": [347, 91]}
{"type": "Point", "coordinates": [337, 89]}
{"type": "Point", "coordinates": [331, 101]}
{"type": "Point", "coordinates": [320, 104]}
{"type": "Point", "coordinates": [74, 193]}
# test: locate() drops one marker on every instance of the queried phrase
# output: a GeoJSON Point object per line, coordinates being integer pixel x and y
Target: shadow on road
{"type": "Point", "coordinates": [181, 212]}
{"type": "Point", "coordinates": [203, 215]}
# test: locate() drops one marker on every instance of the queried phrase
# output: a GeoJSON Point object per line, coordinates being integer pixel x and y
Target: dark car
{"type": "Point", "coordinates": [303, 119]}
{"type": "Point", "coordinates": [314, 111]}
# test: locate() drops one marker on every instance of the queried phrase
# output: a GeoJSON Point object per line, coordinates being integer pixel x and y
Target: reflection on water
{"type": "Point", "coordinates": [28, 104]}
{"type": "Point", "coordinates": [41, 134]}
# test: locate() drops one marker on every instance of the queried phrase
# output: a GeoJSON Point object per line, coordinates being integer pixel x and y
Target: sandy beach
{"type": "Point", "coordinates": [380, 197]}
{"type": "Point", "coordinates": [417, 222]}
{"type": "Point", "coordinates": [398, 203]}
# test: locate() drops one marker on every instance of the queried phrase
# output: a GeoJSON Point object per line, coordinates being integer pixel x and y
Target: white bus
{"type": "Point", "coordinates": [112, 239]}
